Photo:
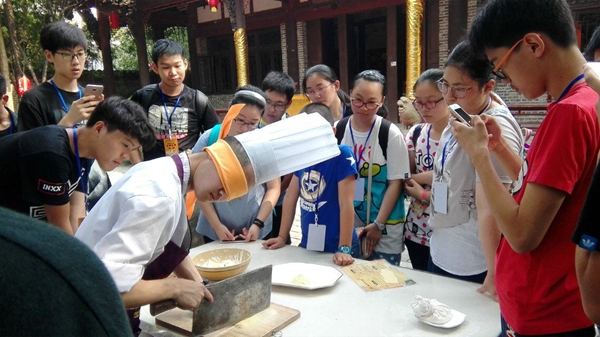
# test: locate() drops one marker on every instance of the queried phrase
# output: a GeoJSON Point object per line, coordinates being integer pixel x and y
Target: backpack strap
{"type": "Point", "coordinates": [384, 132]}
{"type": "Point", "coordinates": [214, 134]}
{"type": "Point", "coordinates": [144, 95]}
{"type": "Point", "coordinates": [201, 103]}
{"type": "Point", "coordinates": [340, 129]}
{"type": "Point", "coordinates": [416, 134]}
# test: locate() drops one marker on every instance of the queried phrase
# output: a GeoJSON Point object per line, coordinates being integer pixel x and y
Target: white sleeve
{"type": "Point", "coordinates": [398, 166]}
{"type": "Point", "coordinates": [142, 228]}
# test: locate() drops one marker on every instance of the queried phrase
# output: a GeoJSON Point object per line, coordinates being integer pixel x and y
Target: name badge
{"type": "Point", "coordinates": [359, 189]}
{"type": "Point", "coordinates": [316, 237]}
{"type": "Point", "coordinates": [171, 146]}
{"type": "Point", "coordinates": [440, 197]}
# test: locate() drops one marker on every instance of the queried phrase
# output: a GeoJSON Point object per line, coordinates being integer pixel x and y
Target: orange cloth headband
{"type": "Point", "coordinates": [229, 169]}
{"type": "Point", "coordinates": [234, 110]}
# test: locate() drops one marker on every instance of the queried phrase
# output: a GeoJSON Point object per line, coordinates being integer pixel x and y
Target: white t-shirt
{"type": "Point", "coordinates": [136, 218]}
{"type": "Point", "coordinates": [396, 167]}
{"type": "Point", "coordinates": [455, 234]}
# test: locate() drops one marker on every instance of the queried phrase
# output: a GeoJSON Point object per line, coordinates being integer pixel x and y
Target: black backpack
{"type": "Point", "coordinates": [384, 131]}
{"type": "Point", "coordinates": [200, 106]}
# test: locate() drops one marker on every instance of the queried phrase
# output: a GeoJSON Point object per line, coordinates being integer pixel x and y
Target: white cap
{"type": "Point", "coordinates": [289, 145]}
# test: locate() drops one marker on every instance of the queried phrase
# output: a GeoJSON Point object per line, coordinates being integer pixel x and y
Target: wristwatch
{"type": "Point", "coordinates": [259, 223]}
{"type": "Point", "coordinates": [345, 249]}
{"type": "Point", "coordinates": [380, 226]}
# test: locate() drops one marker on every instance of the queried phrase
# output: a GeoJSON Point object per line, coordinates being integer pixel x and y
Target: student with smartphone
{"type": "Point", "coordinates": [464, 234]}
{"type": "Point", "coordinates": [60, 100]}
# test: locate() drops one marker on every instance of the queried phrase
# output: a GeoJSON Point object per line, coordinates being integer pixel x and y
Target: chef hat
{"type": "Point", "coordinates": [275, 150]}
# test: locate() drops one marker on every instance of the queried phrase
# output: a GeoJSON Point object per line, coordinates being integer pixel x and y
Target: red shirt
{"type": "Point", "coordinates": [538, 290]}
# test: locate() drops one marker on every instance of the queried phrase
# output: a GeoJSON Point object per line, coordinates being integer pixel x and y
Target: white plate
{"type": "Point", "coordinates": [305, 275]}
{"type": "Point", "coordinates": [457, 319]}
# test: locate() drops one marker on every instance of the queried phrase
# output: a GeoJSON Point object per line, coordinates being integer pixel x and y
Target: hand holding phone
{"type": "Point", "coordinates": [457, 112]}
{"type": "Point", "coordinates": [94, 89]}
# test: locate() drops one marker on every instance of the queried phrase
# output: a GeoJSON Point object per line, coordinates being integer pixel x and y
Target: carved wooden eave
{"type": "Point", "coordinates": [148, 6]}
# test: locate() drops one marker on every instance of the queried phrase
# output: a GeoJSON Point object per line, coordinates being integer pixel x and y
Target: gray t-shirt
{"type": "Point", "coordinates": [235, 214]}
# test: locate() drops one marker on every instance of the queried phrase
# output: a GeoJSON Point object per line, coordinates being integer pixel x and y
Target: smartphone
{"type": "Point", "coordinates": [595, 67]}
{"type": "Point", "coordinates": [93, 89]}
{"type": "Point", "coordinates": [457, 112]}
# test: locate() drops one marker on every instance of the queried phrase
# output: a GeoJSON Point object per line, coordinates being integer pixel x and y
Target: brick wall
{"type": "Point", "coordinates": [510, 96]}
{"type": "Point", "coordinates": [283, 48]}
{"type": "Point", "coordinates": [443, 22]}
{"type": "Point", "coordinates": [302, 54]}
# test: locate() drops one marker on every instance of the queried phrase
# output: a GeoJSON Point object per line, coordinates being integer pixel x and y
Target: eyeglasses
{"type": "Point", "coordinates": [429, 104]}
{"type": "Point", "coordinates": [497, 71]}
{"type": "Point", "coordinates": [443, 87]}
{"type": "Point", "coordinates": [246, 124]}
{"type": "Point", "coordinates": [277, 107]}
{"type": "Point", "coordinates": [318, 91]}
{"type": "Point", "coordinates": [71, 56]}
{"type": "Point", "coordinates": [370, 106]}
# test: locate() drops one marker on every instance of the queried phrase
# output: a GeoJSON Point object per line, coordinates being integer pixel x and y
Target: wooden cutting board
{"type": "Point", "coordinates": [274, 318]}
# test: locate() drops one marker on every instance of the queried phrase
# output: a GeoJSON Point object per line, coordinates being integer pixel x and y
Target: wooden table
{"type": "Point", "coordinates": [347, 310]}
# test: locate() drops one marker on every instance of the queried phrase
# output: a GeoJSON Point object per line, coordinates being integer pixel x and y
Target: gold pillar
{"type": "Point", "coordinates": [241, 56]}
{"type": "Point", "coordinates": [414, 18]}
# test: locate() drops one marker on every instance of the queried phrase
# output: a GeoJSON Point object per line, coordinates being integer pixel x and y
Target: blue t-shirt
{"type": "Point", "coordinates": [319, 185]}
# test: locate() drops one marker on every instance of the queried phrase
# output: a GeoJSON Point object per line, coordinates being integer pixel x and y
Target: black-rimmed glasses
{"type": "Point", "coordinates": [370, 106]}
{"type": "Point", "coordinates": [429, 104]}
{"type": "Point", "coordinates": [246, 124]}
{"type": "Point", "coordinates": [71, 56]}
{"type": "Point", "coordinates": [277, 107]}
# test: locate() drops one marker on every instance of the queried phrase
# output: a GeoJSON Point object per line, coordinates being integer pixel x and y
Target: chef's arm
{"type": "Point", "coordinates": [186, 293]}
{"type": "Point", "coordinates": [187, 270]}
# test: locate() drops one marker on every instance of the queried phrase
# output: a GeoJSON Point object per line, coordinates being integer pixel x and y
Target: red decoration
{"type": "Point", "coordinates": [213, 5]}
{"type": "Point", "coordinates": [113, 19]}
{"type": "Point", "coordinates": [24, 85]}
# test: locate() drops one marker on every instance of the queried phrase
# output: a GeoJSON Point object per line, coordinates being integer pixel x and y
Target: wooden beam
{"type": "Point", "coordinates": [430, 40]}
{"type": "Point", "coordinates": [192, 23]}
{"type": "Point", "coordinates": [109, 73]}
{"type": "Point", "coordinates": [343, 52]}
{"type": "Point", "coordinates": [457, 22]}
{"type": "Point", "coordinates": [314, 49]}
{"type": "Point", "coordinates": [155, 5]}
{"type": "Point", "coordinates": [291, 38]}
{"type": "Point", "coordinates": [139, 36]}
{"type": "Point", "coordinates": [392, 63]}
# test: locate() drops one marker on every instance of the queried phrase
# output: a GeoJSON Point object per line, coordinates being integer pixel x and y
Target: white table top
{"type": "Point", "coordinates": [347, 310]}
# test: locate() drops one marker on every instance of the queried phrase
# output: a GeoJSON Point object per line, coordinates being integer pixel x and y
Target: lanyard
{"type": "Point", "coordinates": [82, 177]}
{"type": "Point", "coordinates": [60, 96]}
{"type": "Point", "coordinates": [568, 88]}
{"type": "Point", "coordinates": [12, 123]}
{"type": "Point", "coordinates": [429, 167]}
{"type": "Point", "coordinates": [318, 192]}
{"type": "Point", "coordinates": [489, 102]}
{"type": "Point", "coordinates": [169, 117]}
{"type": "Point", "coordinates": [444, 153]}
{"type": "Point", "coordinates": [364, 146]}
